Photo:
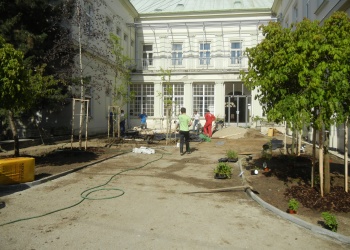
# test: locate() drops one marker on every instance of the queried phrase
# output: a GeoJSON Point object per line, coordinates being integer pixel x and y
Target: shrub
{"type": "Point", "coordinates": [223, 168]}
{"type": "Point", "coordinates": [231, 154]}
{"type": "Point", "coordinates": [330, 221]}
{"type": "Point", "coordinates": [293, 204]}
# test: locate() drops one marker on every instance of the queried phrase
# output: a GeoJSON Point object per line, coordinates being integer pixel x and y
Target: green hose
{"type": "Point", "coordinates": [85, 194]}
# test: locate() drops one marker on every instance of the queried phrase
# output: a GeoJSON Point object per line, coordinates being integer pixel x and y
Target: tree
{"type": "Point", "coordinates": [20, 88]}
{"type": "Point", "coordinates": [337, 34]}
{"type": "Point", "coordinates": [34, 28]}
{"type": "Point", "coordinates": [96, 67]}
{"type": "Point", "coordinates": [168, 101]}
{"type": "Point", "coordinates": [122, 65]}
{"type": "Point", "coordinates": [301, 75]}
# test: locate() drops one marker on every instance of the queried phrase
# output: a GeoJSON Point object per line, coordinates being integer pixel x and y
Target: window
{"type": "Point", "coordinates": [173, 94]}
{"type": "Point", "coordinates": [147, 57]}
{"type": "Point", "coordinates": [126, 37]}
{"type": "Point", "coordinates": [118, 31]}
{"type": "Point", "coordinates": [109, 24]}
{"type": "Point", "coordinates": [144, 99]}
{"type": "Point", "coordinates": [295, 13]}
{"type": "Point", "coordinates": [176, 54]}
{"type": "Point", "coordinates": [236, 52]}
{"type": "Point", "coordinates": [203, 97]}
{"type": "Point", "coordinates": [132, 43]}
{"type": "Point", "coordinates": [88, 8]}
{"type": "Point", "coordinates": [306, 9]}
{"type": "Point", "coordinates": [204, 54]}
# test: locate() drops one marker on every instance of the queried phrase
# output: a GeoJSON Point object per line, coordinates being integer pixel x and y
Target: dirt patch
{"type": "Point", "coordinates": [289, 177]}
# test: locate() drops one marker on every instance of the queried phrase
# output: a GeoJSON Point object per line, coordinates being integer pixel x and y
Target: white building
{"type": "Point", "coordinates": [202, 43]}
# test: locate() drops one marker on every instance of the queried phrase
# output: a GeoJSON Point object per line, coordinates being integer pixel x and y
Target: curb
{"type": "Point", "coordinates": [293, 219]}
{"type": "Point", "coordinates": [26, 185]}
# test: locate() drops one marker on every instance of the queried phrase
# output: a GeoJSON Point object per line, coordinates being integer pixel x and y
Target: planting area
{"type": "Point", "coordinates": [288, 176]}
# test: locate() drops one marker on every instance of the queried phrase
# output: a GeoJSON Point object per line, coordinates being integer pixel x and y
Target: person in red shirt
{"type": "Point", "coordinates": [209, 118]}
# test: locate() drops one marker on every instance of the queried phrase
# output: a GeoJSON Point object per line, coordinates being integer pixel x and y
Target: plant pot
{"type": "Point", "coordinates": [291, 211]}
{"type": "Point", "coordinates": [267, 173]}
{"type": "Point", "coordinates": [220, 176]}
{"type": "Point", "coordinates": [254, 172]}
{"type": "Point", "coordinates": [232, 159]}
{"type": "Point", "coordinates": [223, 160]}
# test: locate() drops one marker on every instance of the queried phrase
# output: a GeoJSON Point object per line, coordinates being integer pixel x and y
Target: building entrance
{"type": "Point", "coordinates": [238, 109]}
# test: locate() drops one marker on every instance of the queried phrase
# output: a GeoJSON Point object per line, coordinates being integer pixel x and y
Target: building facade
{"type": "Point", "coordinates": [202, 45]}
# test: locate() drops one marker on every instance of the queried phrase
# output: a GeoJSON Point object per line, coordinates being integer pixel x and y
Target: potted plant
{"type": "Point", "coordinates": [232, 156]}
{"type": "Point", "coordinates": [222, 170]}
{"type": "Point", "coordinates": [293, 206]}
{"type": "Point", "coordinates": [330, 221]}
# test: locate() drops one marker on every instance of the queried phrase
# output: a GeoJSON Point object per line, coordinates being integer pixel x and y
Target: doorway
{"type": "Point", "coordinates": [238, 109]}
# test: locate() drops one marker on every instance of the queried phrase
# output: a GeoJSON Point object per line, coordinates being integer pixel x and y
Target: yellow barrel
{"type": "Point", "coordinates": [270, 132]}
{"type": "Point", "coordinates": [16, 170]}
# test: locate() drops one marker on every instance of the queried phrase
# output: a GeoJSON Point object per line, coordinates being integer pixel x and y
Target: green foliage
{"type": "Point", "coordinates": [293, 204]}
{"type": "Point", "coordinates": [223, 168]}
{"type": "Point", "coordinates": [122, 68]}
{"type": "Point", "coordinates": [302, 69]}
{"type": "Point", "coordinates": [231, 154]}
{"type": "Point", "coordinates": [14, 78]}
{"type": "Point", "coordinates": [330, 221]}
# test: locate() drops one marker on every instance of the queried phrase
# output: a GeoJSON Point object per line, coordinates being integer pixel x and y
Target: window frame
{"type": "Point", "coordinates": [203, 97]}
{"type": "Point", "coordinates": [177, 93]}
{"type": "Point", "coordinates": [176, 54]}
{"type": "Point", "coordinates": [147, 56]}
{"type": "Point", "coordinates": [234, 60]}
{"type": "Point", "coordinates": [144, 99]}
{"type": "Point", "coordinates": [204, 53]}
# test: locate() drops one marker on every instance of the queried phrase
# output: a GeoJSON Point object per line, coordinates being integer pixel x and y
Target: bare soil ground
{"type": "Point", "coordinates": [289, 176]}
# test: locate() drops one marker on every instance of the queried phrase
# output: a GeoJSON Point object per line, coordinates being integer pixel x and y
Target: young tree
{"type": "Point", "coordinates": [168, 101]}
{"type": "Point", "coordinates": [20, 88]}
{"type": "Point", "coordinates": [122, 65]}
{"type": "Point", "coordinates": [90, 28]}
{"type": "Point", "coordinates": [34, 28]}
{"type": "Point", "coordinates": [337, 54]}
{"type": "Point", "coordinates": [300, 76]}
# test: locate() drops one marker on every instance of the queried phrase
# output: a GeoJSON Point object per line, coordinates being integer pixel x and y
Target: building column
{"type": "Point", "coordinates": [188, 97]}
{"type": "Point", "coordinates": [158, 100]}
{"type": "Point", "coordinates": [219, 99]}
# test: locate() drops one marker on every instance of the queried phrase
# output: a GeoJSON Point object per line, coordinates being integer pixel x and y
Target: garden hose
{"type": "Point", "coordinates": [85, 194]}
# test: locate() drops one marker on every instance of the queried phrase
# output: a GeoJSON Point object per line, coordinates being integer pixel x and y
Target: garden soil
{"type": "Point", "coordinates": [124, 200]}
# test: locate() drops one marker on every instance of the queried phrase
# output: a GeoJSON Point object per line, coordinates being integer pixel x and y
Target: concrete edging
{"type": "Point", "coordinates": [293, 219]}
{"type": "Point", "coordinates": [27, 185]}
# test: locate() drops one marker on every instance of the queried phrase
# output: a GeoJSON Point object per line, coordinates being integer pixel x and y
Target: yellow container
{"type": "Point", "coordinates": [16, 170]}
{"type": "Point", "coordinates": [270, 132]}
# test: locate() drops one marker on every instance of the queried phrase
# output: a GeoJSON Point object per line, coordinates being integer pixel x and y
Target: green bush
{"type": "Point", "coordinates": [293, 204]}
{"type": "Point", "coordinates": [330, 221]}
{"type": "Point", "coordinates": [223, 168]}
{"type": "Point", "coordinates": [231, 154]}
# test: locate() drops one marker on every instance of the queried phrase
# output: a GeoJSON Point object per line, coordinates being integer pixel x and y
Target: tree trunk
{"type": "Point", "coordinates": [299, 143]}
{"type": "Point", "coordinates": [82, 92]}
{"type": "Point", "coordinates": [327, 178]}
{"type": "Point", "coordinates": [14, 133]}
{"type": "Point", "coordinates": [320, 159]}
{"type": "Point", "coordinates": [313, 157]}
{"type": "Point", "coordinates": [293, 141]}
{"type": "Point", "coordinates": [285, 139]}
{"type": "Point", "coordinates": [346, 166]}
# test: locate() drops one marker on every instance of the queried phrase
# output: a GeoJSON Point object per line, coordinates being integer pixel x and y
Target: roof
{"type": "Point", "coordinates": [178, 6]}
